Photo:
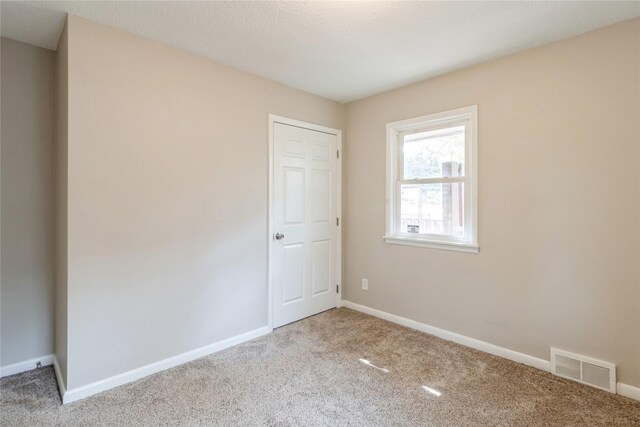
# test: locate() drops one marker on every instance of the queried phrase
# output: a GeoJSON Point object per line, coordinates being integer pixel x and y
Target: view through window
{"type": "Point", "coordinates": [432, 188]}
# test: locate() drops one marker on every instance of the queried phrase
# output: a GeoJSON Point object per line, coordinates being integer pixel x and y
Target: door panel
{"type": "Point", "coordinates": [321, 267]}
{"type": "Point", "coordinates": [293, 276]}
{"type": "Point", "coordinates": [305, 212]}
{"type": "Point", "coordinates": [320, 196]}
{"type": "Point", "coordinates": [294, 195]}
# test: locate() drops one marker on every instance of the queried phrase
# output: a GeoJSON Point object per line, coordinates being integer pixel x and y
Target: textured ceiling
{"type": "Point", "coordinates": [340, 50]}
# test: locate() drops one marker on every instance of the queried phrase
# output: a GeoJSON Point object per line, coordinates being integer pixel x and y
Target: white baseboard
{"type": "Point", "coordinates": [545, 365]}
{"type": "Point", "coordinates": [61, 385]}
{"type": "Point", "coordinates": [117, 380]}
{"type": "Point", "coordinates": [71, 395]}
{"type": "Point", "coordinates": [627, 390]}
{"type": "Point", "coordinates": [535, 362]}
{"type": "Point", "coordinates": [27, 365]}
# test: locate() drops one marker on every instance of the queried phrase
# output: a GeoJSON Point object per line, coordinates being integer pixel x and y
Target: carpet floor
{"type": "Point", "coordinates": [340, 367]}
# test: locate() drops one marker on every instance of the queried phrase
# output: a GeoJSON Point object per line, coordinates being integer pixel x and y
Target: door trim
{"type": "Point", "coordinates": [273, 119]}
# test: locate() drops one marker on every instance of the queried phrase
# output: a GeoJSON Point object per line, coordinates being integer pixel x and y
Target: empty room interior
{"type": "Point", "coordinates": [420, 213]}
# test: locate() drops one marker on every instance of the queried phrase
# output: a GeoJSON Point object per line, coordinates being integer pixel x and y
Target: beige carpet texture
{"type": "Point", "coordinates": [338, 368]}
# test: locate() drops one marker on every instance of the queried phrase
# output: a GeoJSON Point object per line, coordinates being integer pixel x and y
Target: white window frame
{"type": "Point", "coordinates": [395, 132]}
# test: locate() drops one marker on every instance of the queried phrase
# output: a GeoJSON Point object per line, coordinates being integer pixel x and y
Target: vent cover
{"type": "Point", "coordinates": [584, 369]}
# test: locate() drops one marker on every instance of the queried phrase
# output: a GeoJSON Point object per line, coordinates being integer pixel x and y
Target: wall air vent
{"type": "Point", "coordinates": [583, 369]}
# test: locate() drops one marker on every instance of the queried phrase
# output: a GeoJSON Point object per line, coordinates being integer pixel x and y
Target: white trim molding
{"type": "Point", "coordinates": [446, 246]}
{"type": "Point", "coordinates": [542, 364]}
{"type": "Point", "coordinates": [26, 365]}
{"type": "Point", "coordinates": [629, 391]}
{"type": "Point", "coordinates": [62, 389]}
{"type": "Point", "coordinates": [71, 395]}
{"type": "Point", "coordinates": [486, 347]}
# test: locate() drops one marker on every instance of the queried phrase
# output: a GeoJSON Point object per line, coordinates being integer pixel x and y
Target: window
{"type": "Point", "coordinates": [431, 181]}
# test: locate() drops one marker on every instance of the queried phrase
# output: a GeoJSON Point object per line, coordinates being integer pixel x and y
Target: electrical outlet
{"type": "Point", "coordinates": [365, 284]}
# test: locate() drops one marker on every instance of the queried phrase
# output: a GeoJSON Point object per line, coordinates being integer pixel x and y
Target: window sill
{"type": "Point", "coordinates": [433, 244]}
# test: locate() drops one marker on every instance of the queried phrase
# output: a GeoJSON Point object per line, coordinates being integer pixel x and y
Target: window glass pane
{"type": "Point", "coordinates": [432, 209]}
{"type": "Point", "coordinates": [434, 154]}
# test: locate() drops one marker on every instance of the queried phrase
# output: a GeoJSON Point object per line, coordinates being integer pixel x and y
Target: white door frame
{"type": "Point", "coordinates": [273, 119]}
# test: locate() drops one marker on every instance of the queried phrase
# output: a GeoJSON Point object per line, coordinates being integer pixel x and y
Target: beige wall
{"type": "Point", "coordinates": [559, 194]}
{"type": "Point", "coordinates": [167, 199]}
{"type": "Point", "coordinates": [60, 203]}
{"type": "Point", "coordinates": [27, 202]}
{"type": "Point", "coordinates": [163, 188]}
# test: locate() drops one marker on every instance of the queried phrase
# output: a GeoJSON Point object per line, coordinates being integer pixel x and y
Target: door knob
{"type": "Point", "coordinates": [279, 236]}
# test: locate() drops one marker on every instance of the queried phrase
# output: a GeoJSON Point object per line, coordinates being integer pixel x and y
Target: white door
{"type": "Point", "coordinates": [304, 222]}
